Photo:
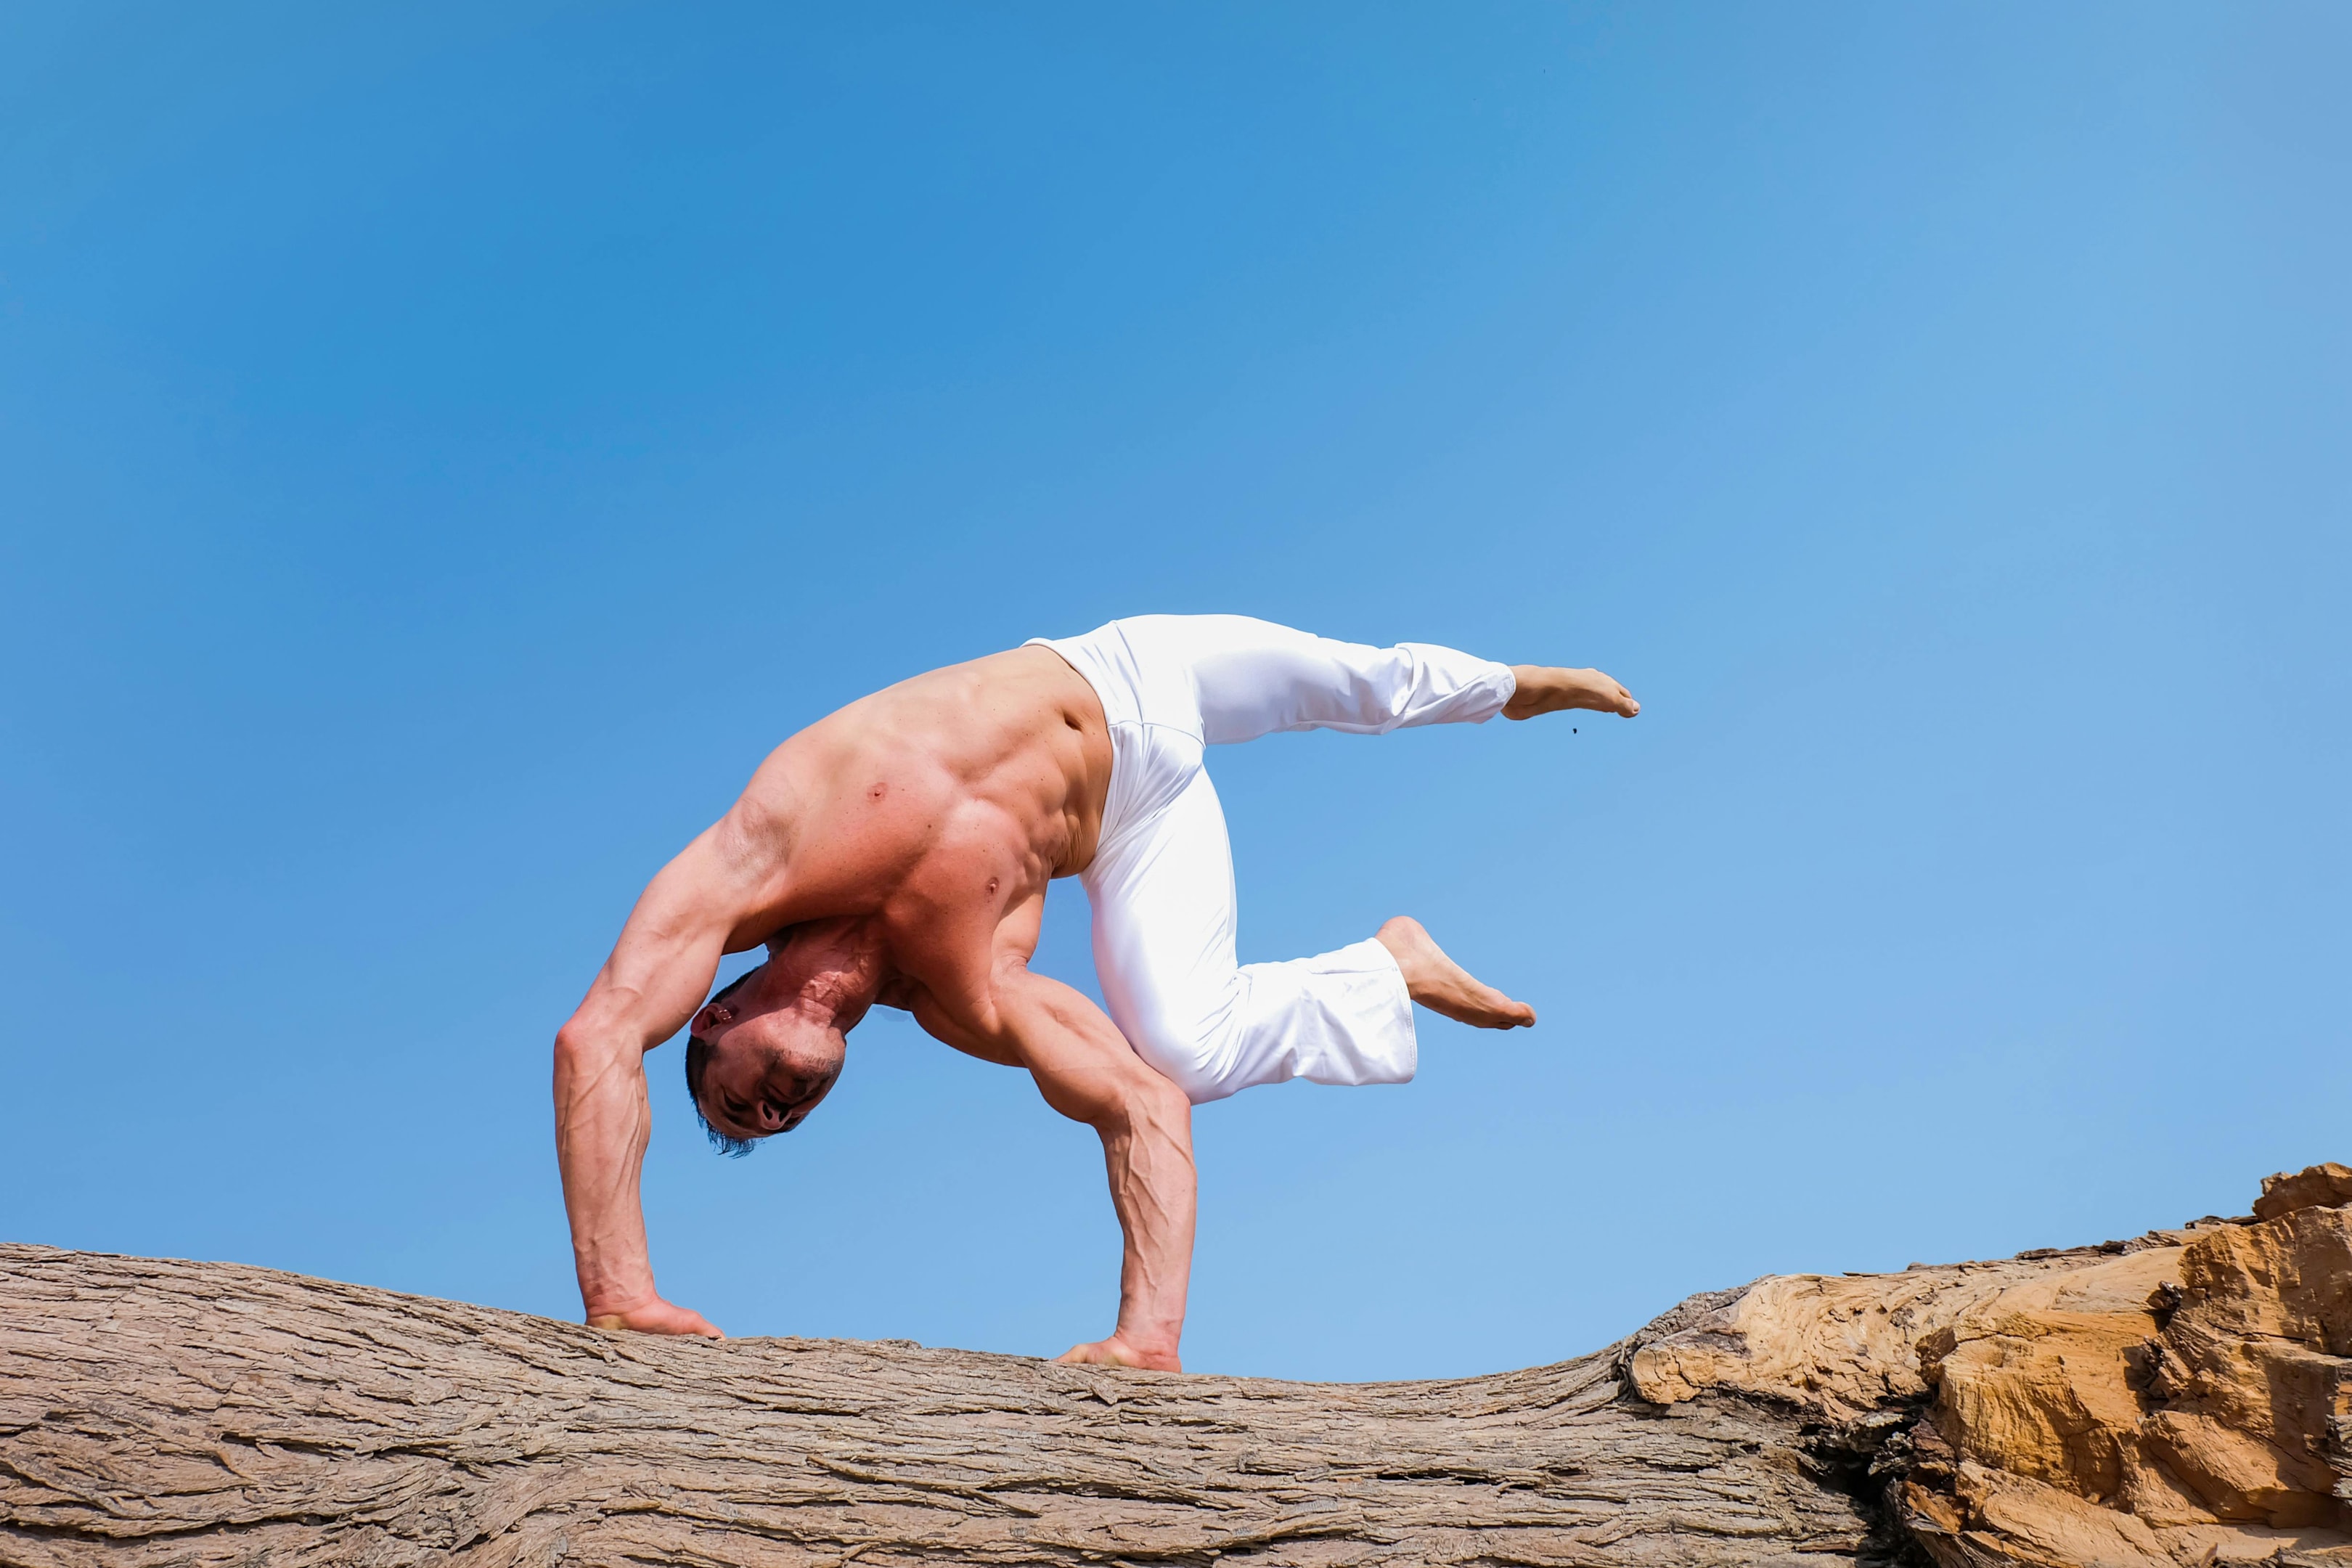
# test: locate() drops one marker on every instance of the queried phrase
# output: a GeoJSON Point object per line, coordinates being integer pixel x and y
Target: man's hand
{"type": "Point", "coordinates": [1116, 1352]}
{"type": "Point", "coordinates": [657, 1317]}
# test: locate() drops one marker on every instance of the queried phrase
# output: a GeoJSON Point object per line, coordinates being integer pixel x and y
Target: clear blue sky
{"type": "Point", "coordinates": [442, 449]}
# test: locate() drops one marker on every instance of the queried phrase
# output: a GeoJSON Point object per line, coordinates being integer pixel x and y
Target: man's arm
{"type": "Point", "coordinates": [659, 972]}
{"type": "Point", "coordinates": [1086, 1071]}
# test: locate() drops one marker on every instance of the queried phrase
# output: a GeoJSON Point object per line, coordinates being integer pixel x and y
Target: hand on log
{"type": "Point", "coordinates": [1117, 1352]}
{"type": "Point", "coordinates": [656, 1316]}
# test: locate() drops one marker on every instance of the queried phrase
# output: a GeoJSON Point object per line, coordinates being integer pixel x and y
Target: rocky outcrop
{"type": "Point", "coordinates": [2179, 1399]}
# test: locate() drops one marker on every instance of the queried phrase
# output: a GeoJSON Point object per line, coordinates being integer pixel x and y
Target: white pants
{"type": "Point", "coordinates": [1162, 880]}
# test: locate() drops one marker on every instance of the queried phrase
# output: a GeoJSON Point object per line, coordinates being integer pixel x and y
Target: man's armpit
{"type": "Point", "coordinates": [901, 992]}
{"type": "Point", "coordinates": [936, 1023]}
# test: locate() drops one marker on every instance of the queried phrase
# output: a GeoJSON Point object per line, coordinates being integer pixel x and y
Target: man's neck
{"type": "Point", "coordinates": [834, 967]}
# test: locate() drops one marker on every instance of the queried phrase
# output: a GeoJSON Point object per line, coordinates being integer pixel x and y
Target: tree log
{"type": "Point", "coordinates": [2043, 1409]}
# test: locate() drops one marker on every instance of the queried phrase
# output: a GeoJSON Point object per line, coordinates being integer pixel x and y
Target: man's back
{"type": "Point", "coordinates": [974, 785]}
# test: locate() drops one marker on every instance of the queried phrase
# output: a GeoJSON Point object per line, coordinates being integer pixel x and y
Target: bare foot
{"type": "Point", "coordinates": [1442, 985]}
{"type": "Point", "coordinates": [1543, 689]}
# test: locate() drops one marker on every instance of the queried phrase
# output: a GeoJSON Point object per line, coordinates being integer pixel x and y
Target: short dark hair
{"type": "Point", "coordinates": [698, 1058]}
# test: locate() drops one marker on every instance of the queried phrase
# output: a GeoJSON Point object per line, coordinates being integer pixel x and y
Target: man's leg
{"type": "Point", "coordinates": [1163, 899]}
{"type": "Point", "coordinates": [1254, 678]}
{"type": "Point", "coordinates": [1162, 893]}
{"type": "Point", "coordinates": [1544, 688]}
{"type": "Point", "coordinates": [1249, 678]}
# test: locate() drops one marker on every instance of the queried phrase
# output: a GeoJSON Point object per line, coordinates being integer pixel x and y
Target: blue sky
{"type": "Point", "coordinates": [443, 449]}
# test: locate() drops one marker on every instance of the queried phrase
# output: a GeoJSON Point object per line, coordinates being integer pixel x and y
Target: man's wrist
{"type": "Point", "coordinates": [612, 1304]}
{"type": "Point", "coordinates": [1146, 1342]}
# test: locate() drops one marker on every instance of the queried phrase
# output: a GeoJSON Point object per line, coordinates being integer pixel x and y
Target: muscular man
{"type": "Point", "coordinates": [898, 852]}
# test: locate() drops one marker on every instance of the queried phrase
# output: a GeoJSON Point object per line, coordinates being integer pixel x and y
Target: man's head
{"type": "Point", "coordinates": [768, 1047]}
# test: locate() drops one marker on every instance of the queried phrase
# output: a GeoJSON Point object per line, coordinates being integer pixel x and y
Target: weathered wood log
{"type": "Point", "coordinates": [155, 1412]}
{"type": "Point", "coordinates": [205, 1412]}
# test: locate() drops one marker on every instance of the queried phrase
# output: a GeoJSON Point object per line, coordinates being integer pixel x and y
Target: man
{"type": "Point", "coordinates": [898, 852]}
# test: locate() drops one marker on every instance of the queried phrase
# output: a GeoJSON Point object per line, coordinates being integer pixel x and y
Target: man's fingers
{"type": "Point", "coordinates": [661, 1319]}
{"type": "Point", "coordinates": [1114, 1351]}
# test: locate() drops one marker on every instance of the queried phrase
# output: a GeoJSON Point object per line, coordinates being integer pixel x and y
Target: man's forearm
{"type": "Point", "coordinates": [602, 1123]}
{"type": "Point", "coordinates": [1086, 1071]}
{"type": "Point", "coordinates": [1153, 1186]}
{"type": "Point", "coordinates": [648, 990]}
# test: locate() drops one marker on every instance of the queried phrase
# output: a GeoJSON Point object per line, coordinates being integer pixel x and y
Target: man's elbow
{"type": "Point", "coordinates": [581, 1049]}
{"type": "Point", "coordinates": [1145, 1101]}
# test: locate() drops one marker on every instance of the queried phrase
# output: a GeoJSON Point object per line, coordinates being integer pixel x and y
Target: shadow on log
{"type": "Point", "coordinates": [2181, 1398]}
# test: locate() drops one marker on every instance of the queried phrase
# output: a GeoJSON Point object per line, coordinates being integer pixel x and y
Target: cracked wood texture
{"type": "Point", "coordinates": [155, 1412]}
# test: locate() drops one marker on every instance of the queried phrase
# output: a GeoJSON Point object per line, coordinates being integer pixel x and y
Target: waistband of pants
{"type": "Point", "coordinates": [1105, 661]}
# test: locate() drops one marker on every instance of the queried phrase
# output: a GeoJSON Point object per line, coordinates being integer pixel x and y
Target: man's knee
{"type": "Point", "coordinates": [1179, 1050]}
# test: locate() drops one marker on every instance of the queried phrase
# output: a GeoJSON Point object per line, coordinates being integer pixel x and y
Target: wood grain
{"type": "Point", "coordinates": [155, 1412]}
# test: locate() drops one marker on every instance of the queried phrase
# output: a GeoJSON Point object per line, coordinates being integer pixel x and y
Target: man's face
{"type": "Point", "coordinates": [767, 1069]}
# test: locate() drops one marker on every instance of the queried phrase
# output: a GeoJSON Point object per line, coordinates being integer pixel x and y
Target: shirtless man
{"type": "Point", "coordinates": [898, 852]}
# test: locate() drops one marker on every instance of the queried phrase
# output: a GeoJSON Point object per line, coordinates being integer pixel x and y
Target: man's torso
{"type": "Point", "coordinates": [937, 808]}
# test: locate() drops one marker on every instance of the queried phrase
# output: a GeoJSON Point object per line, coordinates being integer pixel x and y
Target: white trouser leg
{"type": "Point", "coordinates": [1163, 940]}
{"type": "Point", "coordinates": [1163, 882]}
{"type": "Point", "coordinates": [1251, 677]}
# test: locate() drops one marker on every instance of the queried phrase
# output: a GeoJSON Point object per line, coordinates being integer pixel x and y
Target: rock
{"type": "Point", "coordinates": [2025, 1521]}
{"type": "Point", "coordinates": [2188, 1400]}
{"type": "Point", "coordinates": [2037, 1381]}
{"type": "Point", "coordinates": [1839, 1346]}
{"type": "Point", "coordinates": [2256, 1386]}
{"type": "Point", "coordinates": [2318, 1186]}
{"type": "Point", "coordinates": [2241, 1478]}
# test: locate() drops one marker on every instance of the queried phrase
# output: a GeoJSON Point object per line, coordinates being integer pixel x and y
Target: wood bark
{"type": "Point", "coordinates": [156, 1412]}
{"type": "Point", "coordinates": [2181, 1399]}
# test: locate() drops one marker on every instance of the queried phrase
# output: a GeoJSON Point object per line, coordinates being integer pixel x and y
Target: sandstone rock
{"type": "Point", "coordinates": [2239, 1477]}
{"type": "Point", "coordinates": [2037, 1381]}
{"type": "Point", "coordinates": [2186, 1397]}
{"type": "Point", "coordinates": [2025, 1521]}
{"type": "Point", "coordinates": [2320, 1187]}
{"type": "Point", "coordinates": [1839, 1346]}
{"type": "Point", "coordinates": [2255, 1384]}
